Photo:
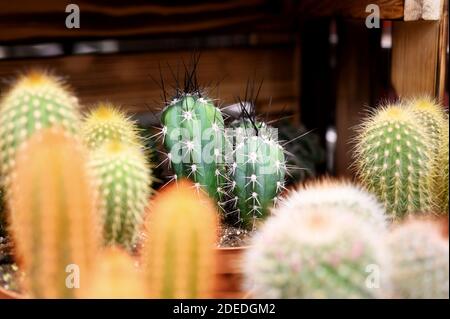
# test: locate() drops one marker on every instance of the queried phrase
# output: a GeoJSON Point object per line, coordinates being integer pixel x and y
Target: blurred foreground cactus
{"type": "Point", "coordinates": [53, 215]}
{"type": "Point", "coordinates": [393, 160]}
{"type": "Point", "coordinates": [420, 261]}
{"type": "Point", "coordinates": [178, 258]}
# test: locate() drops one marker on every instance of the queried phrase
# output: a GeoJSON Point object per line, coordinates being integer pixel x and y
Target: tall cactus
{"type": "Point", "coordinates": [54, 217]}
{"type": "Point", "coordinates": [320, 252]}
{"type": "Point", "coordinates": [420, 261]}
{"type": "Point", "coordinates": [37, 100]}
{"type": "Point", "coordinates": [392, 160]}
{"type": "Point", "coordinates": [107, 123]}
{"type": "Point", "coordinates": [257, 171]}
{"type": "Point", "coordinates": [179, 256]}
{"type": "Point", "coordinates": [125, 178]}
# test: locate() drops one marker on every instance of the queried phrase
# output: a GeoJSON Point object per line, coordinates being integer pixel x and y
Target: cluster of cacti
{"type": "Point", "coordinates": [54, 215]}
{"type": "Point", "coordinates": [119, 163]}
{"type": "Point", "coordinates": [257, 171]}
{"type": "Point", "coordinates": [316, 252]}
{"type": "Point", "coordinates": [420, 261]}
{"type": "Point", "coordinates": [124, 177]}
{"type": "Point", "coordinates": [334, 194]}
{"type": "Point", "coordinates": [116, 276]}
{"type": "Point", "coordinates": [37, 100]}
{"type": "Point", "coordinates": [392, 160]}
{"type": "Point", "coordinates": [178, 258]}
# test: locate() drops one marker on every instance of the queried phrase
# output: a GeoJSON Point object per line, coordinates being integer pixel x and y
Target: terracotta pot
{"type": "Point", "coordinates": [229, 277]}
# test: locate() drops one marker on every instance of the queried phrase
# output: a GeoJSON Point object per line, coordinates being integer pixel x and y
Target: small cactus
{"type": "Point", "coordinates": [334, 194]}
{"type": "Point", "coordinates": [316, 253]}
{"type": "Point", "coordinates": [179, 256]}
{"type": "Point", "coordinates": [125, 179]}
{"type": "Point", "coordinates": [53, 215]}
{"type": "Point", "coordinates": [115, 277]}
{"type": "Point", "coordinates": [392, 160]}
{"type": "Point", "coordinates": [420, 261]}
{"type": "Point", "coordinates": [37, 100]}
{"type": "Point", "coordinates": [257, 172]}
{"type": "Point", "coordinates": [107, 123]}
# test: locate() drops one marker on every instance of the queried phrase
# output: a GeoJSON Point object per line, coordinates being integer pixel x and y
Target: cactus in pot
{"type": "Point", "coordinates": [53, 215]}
{"type": "Point", "coordinates": [178, 258]}
{"type": "Point", "coordinates": [393, 160]}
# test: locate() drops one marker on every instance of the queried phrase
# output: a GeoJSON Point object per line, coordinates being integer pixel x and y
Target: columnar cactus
{"type": "Point", "coordinates": [53, 215]}
{"type": "Point", "coordinates": [193, 130]}
{"type": "Point", "coordinates": [330, 194]}
{"type": "Point", "coordinates": [257, 172]}
{"type": "Point", "coordinates": [392, 160]}
{"type": "Point", "coordinates": [107, 123]}
{"type": "Point", "coordinates": [420, 261]}
{"type": "Point", "coordinates": [37, 100]}
{"type": "Point", "coordinates": [439, 175]}
{"type": "Point", "coordinates": [179, 256]}
{"type": "Point", "coordinates": [316, 253]}
{"type": "Point", "coordinates": [116, 276]}
{"type": "Point", "coordinates": [124, 178]}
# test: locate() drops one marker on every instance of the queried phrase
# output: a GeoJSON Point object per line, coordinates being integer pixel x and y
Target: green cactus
{"type": "Point", "coordinates": [193, 130]}
{"type": "Point", "coordinates": [322, 252]}
{"type": "Point", "coordinates": [420, 261]}
{"type": "Point", "coordinates": [392, 160]}
{"type": "Point", "coordinates": [107, 123]}
{"type": "Point", "coordinates": [37, 100]}
{"type": "Point", "coordinates": [124, 185]}
{"type": "Point", "coordinates": [257, 171]}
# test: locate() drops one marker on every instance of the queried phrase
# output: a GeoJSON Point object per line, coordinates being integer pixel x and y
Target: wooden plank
{"type": "Point", "coordinates": [416, 51]}
{"type": "Point", "coordinates": [125, 79]}
{"type": "Point", "coordinates": [442, 54]}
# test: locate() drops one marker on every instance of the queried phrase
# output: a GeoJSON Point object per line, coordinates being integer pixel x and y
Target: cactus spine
{"type": "Point", "coordinates": [179, 255]}
{"type": "Point", "coordinates": [314, 253]}
{"type": "Point", "coordinates": [331, 194]}
{"type": "Point", "coordinates": [257, 172]}
{"type": "Point", "coordinates": [116, 276]}
{"type": "Point", "coordinates": [124, 177]}
{"type": "Point", "coordinates": [392, 160]}
{"type": "Point", "coordinates": [53, 219]}
{"type": "Point", "coordinates": [420, 261]}
{"type": "Point", "coordinates": [107, 123]}
{"type": "Point", "coordinates": [439, 174]}
{"type": "Point", "coordinates": [37, 100]}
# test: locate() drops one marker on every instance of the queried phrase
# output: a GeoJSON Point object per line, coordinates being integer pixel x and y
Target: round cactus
{"type": "Point", "coordinates": [331, 194]}
{"type": "Point", "coordinates": [316, 254]}
{"type": "Point", "coordinates": [392, 160]}
{"type": "Point", "coordinates": [37, 100]}
{"type": "Point", "coordinates": [106, 123]}
{"type": "Point", "coordinates": [125, 179]}
{"type": "Point", "coordinates": [439, 175]}
{"type": "Point", "coordinates": [420, 261]}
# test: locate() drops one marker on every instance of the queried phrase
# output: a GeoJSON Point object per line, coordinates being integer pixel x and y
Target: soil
{"type": "Point", "coordinates": [230, 236]}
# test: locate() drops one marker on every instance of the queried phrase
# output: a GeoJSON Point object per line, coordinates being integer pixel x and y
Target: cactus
{"type": "Point", "coordinates": [179, 256]}
{"type": "Point", "coordinates": [316, 253]}
{"type": "Point", "coordinates": [125, 178]}
{"type": "Point", "coordinates": [36, 100]}
{"type": "Point", "coordinates": [392, 160]}
{"type": "Point", "coordinates": [329, 193]}
{"type": "Point", "coordinates": [106, 123]}
{"type": "Point", "coordinates": [439, 174]}
{"type": "Point", "coordinates": [53, 219]}
{"type": "Point", "coordinates": [116, 276]}
{"type": "Point", "coordinates": [257, 171]}
{"type": "Point", "coordinates": [420, 261]}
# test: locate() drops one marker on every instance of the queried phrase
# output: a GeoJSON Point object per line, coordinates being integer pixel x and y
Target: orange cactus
{"type": "Point", "coordinates": [179, 257]}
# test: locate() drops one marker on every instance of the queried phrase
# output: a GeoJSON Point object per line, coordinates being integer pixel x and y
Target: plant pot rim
{"type": "Point", "coordinates": [8, 294]}
{"type": "Point", "coordinates": [234, 248]}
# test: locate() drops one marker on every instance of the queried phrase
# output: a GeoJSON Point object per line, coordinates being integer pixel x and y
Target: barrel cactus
{"type": "Point", "coordinates": [393, 160]}
{"type": "Point", "coordinates": [316, 253]}
{"type": "Point", "coordinates": [107, 122]}
{"type": "Point", "coordinates": [331, 194]}
{"type": "Point", "coordinates": [178, 258]}
{"type": "Point", "coordinates": [124, 178]}
{"type": "Point", "coordinates": [439, 175]}
{"type": "Point", "coordinates": [37, 100]}
{"type": "Point", "coordinates": [420, 261]}
{"type": "Point", "coordinates": [54, 220]}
